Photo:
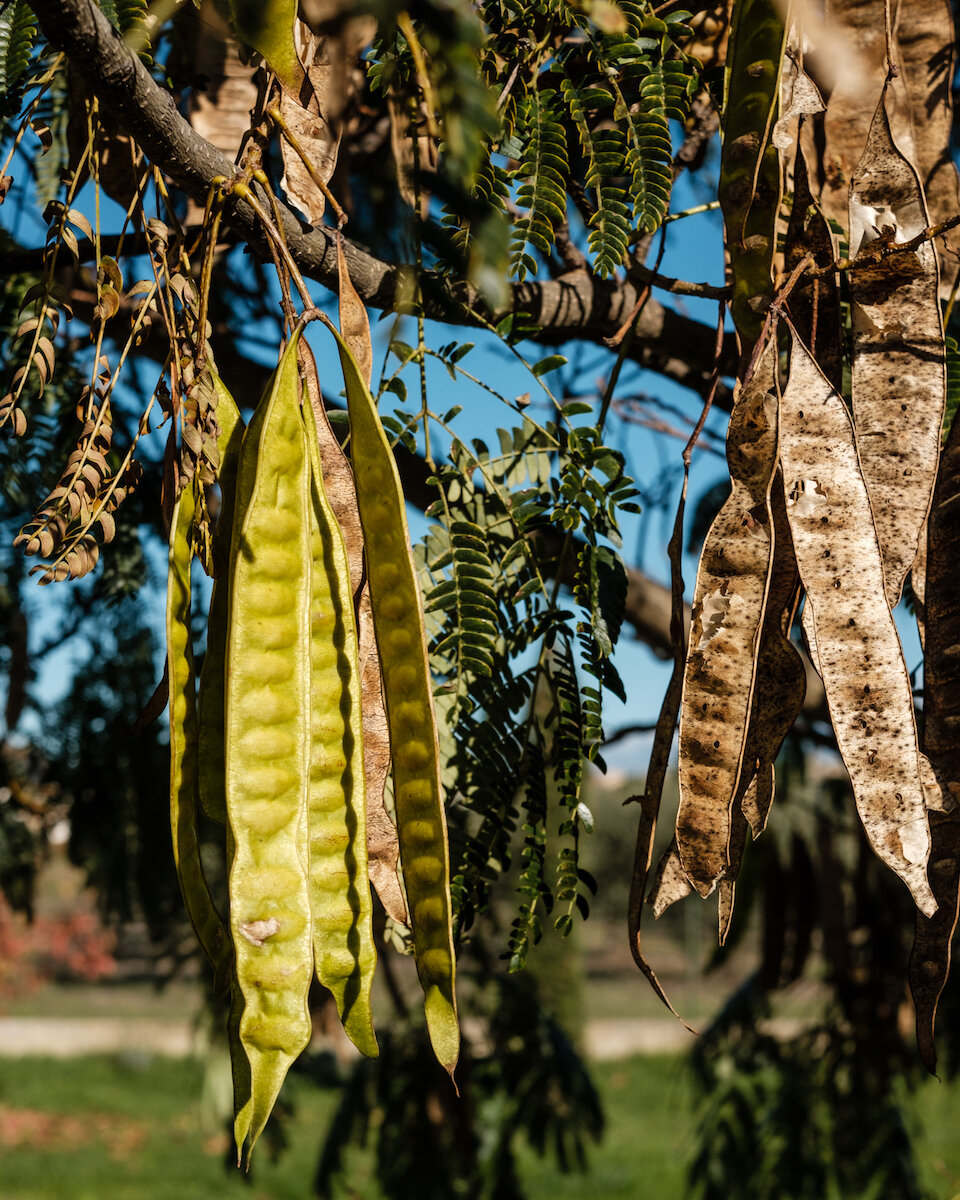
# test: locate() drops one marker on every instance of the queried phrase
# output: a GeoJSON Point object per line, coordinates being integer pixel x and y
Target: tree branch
{"type": "Point", "coordinates": [577, 306]}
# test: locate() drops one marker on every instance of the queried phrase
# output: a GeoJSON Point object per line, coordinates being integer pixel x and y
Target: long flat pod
{"type": "Point", "coordinates": [930, 960]}
{"type": "Point", "coordinates": [210, 695]}
{"type": "Point", "coordinates": [864, 675]}
{"type": "Point", "coordinates": [200, 907]}
{"type": "Point", "coordinates": [899, 358]}
{"type": "Point", "coordinates": [780, 681]}
{"type": "Point", "coordinates": [727, 615]}
{"type": "Point", "coordinates": [267, 724]}
{"type": "Point", "coordinates": [398, 621]}
{"type": "Point", "coordinates": [383, 846]}
{"type": "Point", "coordinates": [340, 900]}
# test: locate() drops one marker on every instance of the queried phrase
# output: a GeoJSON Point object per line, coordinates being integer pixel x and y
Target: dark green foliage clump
{"type": "Point", "coordinates": [526, 1083]}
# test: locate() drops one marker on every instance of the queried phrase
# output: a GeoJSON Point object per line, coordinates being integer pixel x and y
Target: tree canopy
{"type": "Point", "coordinates": [187, 185]}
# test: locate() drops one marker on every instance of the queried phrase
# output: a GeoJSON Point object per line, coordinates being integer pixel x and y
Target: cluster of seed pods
{"type": "Point", "coordinates": [273, 747]}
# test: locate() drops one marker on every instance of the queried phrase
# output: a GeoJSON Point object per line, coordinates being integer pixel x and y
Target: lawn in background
{"type": "Point", "coordinates": [132, 1128]}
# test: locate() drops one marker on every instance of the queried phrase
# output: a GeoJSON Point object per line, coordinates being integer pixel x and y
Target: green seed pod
{"type": "Point", "coordinates": [268, 742]}
{"type": "Point", "coordinates": [401, 640]}
{"type": "Point", "coordinates": [210, 696]}
{"type": "Point", "coordinates": [339, 891]}
{"type": "Point", "coordinates": [749, 187]}
{"type": "Point", "coordinates": [202, 911]}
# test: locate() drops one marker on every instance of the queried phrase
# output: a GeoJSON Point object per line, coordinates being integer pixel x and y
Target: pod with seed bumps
{"type": "Point", "coordinates": [340, 898]}
{"type": "Point", "coordinates": [210, 693]}
{"type": "Point", "coordinates": [200, 907]}
{"type": "Point", "coordinates": [401, 640]}
{"type": "Point", "coordinates": [267, 738]}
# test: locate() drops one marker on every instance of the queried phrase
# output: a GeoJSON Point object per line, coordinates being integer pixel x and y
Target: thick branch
{"type": "Point", "coordinates": [576, 306]}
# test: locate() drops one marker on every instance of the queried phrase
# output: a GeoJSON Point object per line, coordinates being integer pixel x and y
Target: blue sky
{"type": "Point", "coordinates": [693, 251]}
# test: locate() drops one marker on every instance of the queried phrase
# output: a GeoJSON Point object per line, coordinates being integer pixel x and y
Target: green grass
{"type": "Point", "coordinates": [133, 1129]}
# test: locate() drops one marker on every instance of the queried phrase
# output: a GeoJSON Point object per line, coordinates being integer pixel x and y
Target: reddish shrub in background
{"type": "Point", "coordinates": [69, 946]}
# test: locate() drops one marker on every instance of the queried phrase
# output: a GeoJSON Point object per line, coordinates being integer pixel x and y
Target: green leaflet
{"type": "Point", "coordinates": [398, 621]}
{"type": "Point", "coordinates": [267, 26]}
{"type": "Point", "coordinates": [340, 898]}
{"type": "Point", "coordinates": [603, 151]}
{"type": "Point", "coordinates": [210, 698]}
{"type": "Point", "coordinates": [544, 170]}
{"type": "Point", "coordinates": [202, 911]}
{"type": "Point", "coordinates": [749, 188]}
{"type": "Point", "coordinates": [123, 14]}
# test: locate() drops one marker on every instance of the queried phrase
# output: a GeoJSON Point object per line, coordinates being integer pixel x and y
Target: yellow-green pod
{"type": "Point", "coordinates": [202, 911]}
{"type": "Point", "coordinates": [210, 695]}
{"type": "Point", "coordinates": [402, 643]}
{"type": "Point", "coordinates": [340, 899]}
{"type": "Point", "coordinates": [267, 730]}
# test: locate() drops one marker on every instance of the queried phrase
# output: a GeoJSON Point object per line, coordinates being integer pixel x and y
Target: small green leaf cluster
{"type": "Point", "coordinates": [18, 32]}
{"type": "Point", "coordinates": [550, 103]}
{"type": "Point", "coordinates": [523, 674]}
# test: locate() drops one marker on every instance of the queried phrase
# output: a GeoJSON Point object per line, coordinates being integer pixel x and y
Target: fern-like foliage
{"type": "Point", "coordinates": [577, 110]}
{"type": "Point", "coordinates": [18, 32]}
{"type": "Point", "coordinates": [649, 153]}
{"type": "Point", "coordinates": [604, 155]}
{"type": "Point", "coordinates": [524, 706]}
{"type": "Point", "coordinates": [469, 595]}
{"type": "Point", "coordinates": [544, 169]}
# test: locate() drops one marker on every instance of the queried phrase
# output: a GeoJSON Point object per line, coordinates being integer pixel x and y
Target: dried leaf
{"type": "Point", "coordinates": [313, 118]}
{"type": "Point", "coordinates": [729, 601]}
{"type": "Point", "coordinates": [337, 472]}
{"type": "Point", "coordinates": [383, 847]}
{"type": "Point", "coordinates": [660, 756]}
{"type": "Point", "coordinates": [758, 798]}
{"type": "Point", "coordinates": [354, 322]}
{"type": "Point", "coordinates": [726, 893]}
{"type": "Point", "coordinates": [864, 675]}
{"type": "Point", "coordinates": [899, 359]}
{"type": "Point", "coordinates": [799, 97]}
{"type": "Point", "coordinates": [856, 27]}
{"type": "Point", "coordinates": [670, 882]}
